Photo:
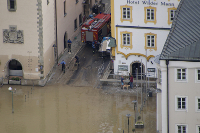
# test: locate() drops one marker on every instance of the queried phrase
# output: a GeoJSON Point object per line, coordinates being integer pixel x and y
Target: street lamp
{"type": "Point", "coordinates": [128, 115]}
{"type": "Point", "coordinates": [135, 101]}
{"type": "Point", "coordinates": [10, 89]}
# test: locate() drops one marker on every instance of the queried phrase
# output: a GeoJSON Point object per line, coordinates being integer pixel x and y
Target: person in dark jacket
{"type": "Point", "coordinates": [131, 81]}
{"type": "Point", "coordinates": [63, 65]}
{"type": "Point", "coordinates": [69, 42]}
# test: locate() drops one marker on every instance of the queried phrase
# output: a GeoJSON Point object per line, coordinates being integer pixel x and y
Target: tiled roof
{"type": "Point", "coordinates": [183, 40]}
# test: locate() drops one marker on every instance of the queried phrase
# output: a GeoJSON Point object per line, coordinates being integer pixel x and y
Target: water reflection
{"type": "Point", "coordinates": [65, 109]}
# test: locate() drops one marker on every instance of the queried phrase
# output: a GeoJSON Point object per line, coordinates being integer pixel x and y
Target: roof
{"type": "Point", "coordinates": [183, 41]}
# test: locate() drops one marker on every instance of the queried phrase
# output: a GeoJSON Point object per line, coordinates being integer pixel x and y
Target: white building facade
{"type": "Point", "coordinates": [140, 29]}
{"type": "Point", "coordinates": [178, 98]}
{"type": "Point", "coordinates": [184, 97]}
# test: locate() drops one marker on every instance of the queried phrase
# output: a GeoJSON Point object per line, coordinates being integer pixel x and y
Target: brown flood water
{"type": "Point", "coordinates": [66, 109]}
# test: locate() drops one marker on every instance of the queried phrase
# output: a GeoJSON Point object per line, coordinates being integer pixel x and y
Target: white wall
{"type": "Point", "coordinates": [190, 89]}
{"type": "Point", "coordinates": [138, 13]}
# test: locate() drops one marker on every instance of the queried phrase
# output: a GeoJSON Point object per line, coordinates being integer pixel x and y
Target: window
{"type": "Point", "coordinates": [150, 41]}
{"type": "Point", "coordinates": [11, 5]}
{"type": "Point", "coordinates": [197, 104]}
{"type": "Point", "coordinates": [126, 39]}
{"type": "Point", "coordinates": [198, 101]}
{"type": "Point", "coordinates": [181, 74]}
{"type": "Point", "coordinates": [171, 14]}
{"type": "Point", "coordinates": [47, 2]}
{"type": "Point", "coordinates": [76, 1]}
{"type": "Point", "coordinates": [150, 14]}
{"type": "Point", "coordinates": [197, 75]}
{"type": "Point", "coordinates": [126, 13]}
{"type": "Point", "coordinates": [197, 128]}
{"type": "Point", "coordinates": [80, 19]}
{"type": "Point", "coordinates": [159, 76]}
{"type": "Point", "coordinates": [65, 8]}
{"type": "Point", "coordinates": [181, 103]}
{"type": "Point", "coordinates": [75, 24]}
{"type": "Point", "coordinates": [181, 128]}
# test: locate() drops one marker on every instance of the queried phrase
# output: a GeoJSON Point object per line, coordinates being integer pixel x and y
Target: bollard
{"type": "Point", "coordinates": [25, 98]}
{"type": "Point", "coordinates": [28, 94]}
{"type": "Point", "coordinates": [31, 90]}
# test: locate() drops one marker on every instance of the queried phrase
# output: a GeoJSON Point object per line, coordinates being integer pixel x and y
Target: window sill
{"type": "Point", "coordinates": [12, 10]}
{"type": "Point", "coordinates": [80, 24]}
{"type": "Point", "coordinates": [181, 110]}
{"type": "Point", "coordinates": [177, 80]}
{"type": "Point", "coordinates": [75, 29]}
{"type": "Point", "coordinates": [65, 14]}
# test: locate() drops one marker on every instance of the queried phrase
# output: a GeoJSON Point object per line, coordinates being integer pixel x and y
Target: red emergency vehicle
{"type": "Point", "coordinates": [94, 29]}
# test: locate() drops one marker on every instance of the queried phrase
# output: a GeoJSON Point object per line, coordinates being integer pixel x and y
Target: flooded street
{"type": "Point", "coordinates": [66, 109]}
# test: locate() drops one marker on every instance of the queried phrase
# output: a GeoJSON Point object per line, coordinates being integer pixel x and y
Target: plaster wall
{"type": "Point", "coordinates": [48, 35]}
{"type": "Point", "coordinates": [190, 89]}
{"type": "Point", "coordinates": [138, 12]}
{"type": "Point", "coordinates": [65, 23]}
{"type": "Point", "coordinates": [24, 18]}
{"type": "Point", "coordinates": [138, 50]}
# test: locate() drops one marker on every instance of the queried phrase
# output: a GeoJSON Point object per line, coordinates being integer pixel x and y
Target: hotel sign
{"type": "Point", "coordinates": [136, 2]}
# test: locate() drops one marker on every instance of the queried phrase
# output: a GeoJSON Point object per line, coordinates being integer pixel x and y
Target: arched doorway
{"type": "Point", "coordinates": [136, 67]}
{"type": "Point", "coordinates": [65, 40]}
{"type": "Point", "coordinates": [15, 68]}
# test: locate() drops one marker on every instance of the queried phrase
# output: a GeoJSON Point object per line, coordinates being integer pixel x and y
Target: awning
{"type": "Point", "coordinates": [112, 42]}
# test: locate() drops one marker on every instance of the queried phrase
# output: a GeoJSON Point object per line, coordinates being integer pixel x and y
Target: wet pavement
{"type": "Point", "coordinates": [67, 109]}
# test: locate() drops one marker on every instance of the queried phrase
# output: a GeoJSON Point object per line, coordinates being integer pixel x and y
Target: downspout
{"type": "Point", "coordinates": [56, 31]}
{"type": "Point", "coordinates": [167, 63]}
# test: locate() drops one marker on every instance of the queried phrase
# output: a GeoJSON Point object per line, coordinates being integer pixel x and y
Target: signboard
{"type": "Point", "coordinates": [149, 2]}
{"type": "Point", "coordinates": [122, 67]}
{"type": "Point", "coordinates": [151, 69]}
{"type": "Point", "coordinates": [151, 72]}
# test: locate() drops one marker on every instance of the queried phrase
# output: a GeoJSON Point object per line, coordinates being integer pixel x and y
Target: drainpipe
{"type": "Point", "coordinates": [167, 63]}
{"type": "Point", "coordinates": [56, 30]}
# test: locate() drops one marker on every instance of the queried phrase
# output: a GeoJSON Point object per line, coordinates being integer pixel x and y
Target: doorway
{"type": "Point", "coordinates": [15, 68]}
{"type": "Point", "coordinates": [136, 69]}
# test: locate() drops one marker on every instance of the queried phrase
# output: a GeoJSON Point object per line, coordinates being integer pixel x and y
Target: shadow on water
{"type": "Point", "coordinates": [66, 109]}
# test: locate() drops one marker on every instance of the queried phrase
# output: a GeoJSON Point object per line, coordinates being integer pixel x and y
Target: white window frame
{"type": "Point", "coordinates": [196, 75]}
{"type": "Point", "coordinates": [186, 75]}
{"type": "Point", "coordinates": [151, 13]}
{"type": "Point", "coordinates": [186, 103]}
{"type": "Point", "coordinates": [196, 104]}
{"type": "Point", "coordinates": [197, 128]}
{"type": "Point", "coordinates": [127, 39]}
{"type": "Point", "coordinates": [125, 13]}
{"type": "Point", "coordinates": [172, 14]}
{"type": "Point", "coordinates": [181, 125]}
{"type": "Point", "coordinates": [151, 41]}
